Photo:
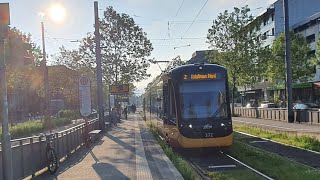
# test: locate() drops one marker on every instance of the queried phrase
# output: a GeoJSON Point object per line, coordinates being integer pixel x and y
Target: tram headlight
{"type": "Point", "coordinates": [222, 125]}
{"type": "Point", "coordinates": [190, 126]}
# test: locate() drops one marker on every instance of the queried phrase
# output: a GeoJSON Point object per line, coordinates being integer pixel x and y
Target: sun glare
{"type": "Point", "coordinates": [57, 13]}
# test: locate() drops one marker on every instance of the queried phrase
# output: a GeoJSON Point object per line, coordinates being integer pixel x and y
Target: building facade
{"type": "Point", "coordinates": [304, 18]}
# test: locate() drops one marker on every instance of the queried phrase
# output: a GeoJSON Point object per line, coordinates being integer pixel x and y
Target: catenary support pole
{"type": "Point", "coordinates": [47, 110]}
{"type": "Point", "coordinates": [288, 62]}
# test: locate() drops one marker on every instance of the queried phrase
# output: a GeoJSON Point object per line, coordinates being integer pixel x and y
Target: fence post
{"type": "Point", "coordinates": [22, 161]}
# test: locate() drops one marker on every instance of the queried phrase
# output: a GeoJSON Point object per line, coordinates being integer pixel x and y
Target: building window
{"type": "Point", "coordinates": [272, 17]}
{"type": "Point", "coordinates": [311, 38]}
{"type": "Point", "coordinates": [272, 31]}
{"type": "Point", "coordinates": [264, 36]}
{"type": "Point", "coordinates": [266, 21]}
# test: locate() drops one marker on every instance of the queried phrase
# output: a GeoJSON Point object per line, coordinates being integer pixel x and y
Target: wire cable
{"type": "Point", "coordinates": [196, 16]}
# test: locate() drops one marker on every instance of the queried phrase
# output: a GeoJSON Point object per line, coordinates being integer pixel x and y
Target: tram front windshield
{"type": "Point", "coordinates": [203, 100]}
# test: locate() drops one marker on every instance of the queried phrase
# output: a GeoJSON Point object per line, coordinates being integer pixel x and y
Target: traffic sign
{"type": "Point", "coordinates": [4, 14]}
{"type": "Point", "coordinates": [122, 98]}
{"type": "Point", "coordinates": [85, 95]}
{"type": "Point", "coordinates": [119, 89]}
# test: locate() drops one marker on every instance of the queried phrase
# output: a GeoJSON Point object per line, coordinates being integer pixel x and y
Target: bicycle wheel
{"type": "Point", "coordinates": [52, 159]}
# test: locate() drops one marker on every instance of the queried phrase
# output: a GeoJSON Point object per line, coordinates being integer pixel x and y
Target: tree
{"type": "Point", "coordinates": [315, 60]}
{"type": "Point", "coordinates": [236, 37]}
{"type": "Point", "coordinates": [301, 65]}
{"type": "Point", "coordinates": [23, 78]}
{"type": "Point", "coordinates": [63, 84]}
{"type": "Point", "coordinates": [125, 49]}
{"type": "Point", "coordinates": [175, 62]}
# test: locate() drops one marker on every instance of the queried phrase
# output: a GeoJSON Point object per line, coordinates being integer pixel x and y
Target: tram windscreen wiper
{"type": "Point", "coordinates": [218, 110]}
{"type": "Point", "coordinates": [220, 107]}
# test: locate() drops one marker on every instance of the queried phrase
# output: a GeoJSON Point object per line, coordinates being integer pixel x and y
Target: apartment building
{"type": "Point", "coordinates": [304, 18]}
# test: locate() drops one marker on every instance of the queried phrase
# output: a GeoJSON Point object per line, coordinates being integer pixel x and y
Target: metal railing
{"type": "Point", "coordinates": [28, 154]}
{"type": "Point", "coordinates": [311, 117]}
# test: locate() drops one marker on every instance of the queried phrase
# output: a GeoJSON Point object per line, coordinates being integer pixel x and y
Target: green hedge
{"type": "Point", "coordinates": [30, 128]}
{"type": "Point", "coordinates": [72, 114]}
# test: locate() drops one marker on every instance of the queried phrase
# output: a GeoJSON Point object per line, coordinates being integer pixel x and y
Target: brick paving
{"type": "Point", "coordinates": [128, 151]}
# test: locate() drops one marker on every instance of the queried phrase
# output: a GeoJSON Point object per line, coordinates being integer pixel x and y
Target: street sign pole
{"type": "Point", "coordinates": [6, 137]}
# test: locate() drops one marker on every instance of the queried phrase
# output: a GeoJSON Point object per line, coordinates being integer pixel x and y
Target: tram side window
{"type": "Point", "coordinates": [172, 108]}
{"type": "Point", "coordinates": [165, 101]}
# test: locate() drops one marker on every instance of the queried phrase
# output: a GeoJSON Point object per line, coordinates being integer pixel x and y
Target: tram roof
{"type": "Point", "coordinates": [192, 65]}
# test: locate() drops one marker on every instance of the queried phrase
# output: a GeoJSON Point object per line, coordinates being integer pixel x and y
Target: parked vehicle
{"type": "Point", "coordinates": [267, 104]}
{"type": "Point", "coordinates": [306, 106]}
{"type": "Point", "coordinates": [252, 104]}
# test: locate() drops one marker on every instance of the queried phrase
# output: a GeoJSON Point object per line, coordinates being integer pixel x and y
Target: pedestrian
{"type": "Point", "coordinates": [125, 112]}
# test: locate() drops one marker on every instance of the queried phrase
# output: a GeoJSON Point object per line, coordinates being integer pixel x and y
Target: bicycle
{"type": "Point", "coordinates": [86, 136]}
{"type": "Point", "coordinates": [51, 154]}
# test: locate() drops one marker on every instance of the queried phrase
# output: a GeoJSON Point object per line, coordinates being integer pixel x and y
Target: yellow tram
{"type": "Point", "coordinates": [195, 107]}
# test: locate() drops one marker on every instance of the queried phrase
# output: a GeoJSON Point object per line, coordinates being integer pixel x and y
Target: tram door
{"type": "Point", "coordinates": [169, 110]}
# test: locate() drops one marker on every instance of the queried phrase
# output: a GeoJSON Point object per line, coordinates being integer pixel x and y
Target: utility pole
{"type": "Point", "coordinates": [288, 62]}
{"type": "Point", "coordinates": [6, 137]}
{"type": "Point", "coordinates": [47, 110]}
{"type": "Point", "coordinates": [99, 70]}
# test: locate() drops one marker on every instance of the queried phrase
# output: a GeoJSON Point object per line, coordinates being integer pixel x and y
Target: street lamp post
{"type": "Point", "coordinates": [47, 109]}
{"type": "Point", "coordinates": [6, 137]}
{"type": "Point", "coordinates": [98, 62]}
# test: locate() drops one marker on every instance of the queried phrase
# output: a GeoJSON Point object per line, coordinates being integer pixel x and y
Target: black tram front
{"type": "Point", "coordinates": [196, 106]}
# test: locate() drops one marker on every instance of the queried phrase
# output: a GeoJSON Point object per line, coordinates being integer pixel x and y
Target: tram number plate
{"type": "Point", "coordinates": [207, 135]}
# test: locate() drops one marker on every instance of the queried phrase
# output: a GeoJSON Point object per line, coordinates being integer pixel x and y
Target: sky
{"type": "Point", "coordinates": [175, 27]}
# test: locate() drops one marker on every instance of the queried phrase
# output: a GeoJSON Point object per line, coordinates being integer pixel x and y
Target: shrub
{"type": "Point", "coordinates": [72, 114]}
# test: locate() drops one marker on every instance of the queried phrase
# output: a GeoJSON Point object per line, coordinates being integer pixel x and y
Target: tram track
{"type": "Point", "coordinates": [219, 161]}
{"type": "Point", "coordinates": [273, 148]}
{"type": "Point", "coordinates": [210, 160]}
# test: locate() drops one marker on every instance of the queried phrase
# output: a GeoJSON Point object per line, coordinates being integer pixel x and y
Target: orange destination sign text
{"type": "Point", "coordinates": [200, 76]}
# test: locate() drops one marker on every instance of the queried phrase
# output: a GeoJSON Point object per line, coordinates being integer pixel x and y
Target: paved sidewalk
{"type": "Point", "coordinates": [296, 128]}
{"type": "Point", "coordinates": [128, 151]}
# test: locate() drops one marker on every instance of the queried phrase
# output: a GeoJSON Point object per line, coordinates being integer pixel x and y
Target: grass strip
{"type": "Point", "coordinates": [274, 166]}
{"type": "Point", "coordinates": [305, 142]}
{"type": "Point", "coordinates": [180, 163]}
{"type": "Point", "coordinates": [188, 172]}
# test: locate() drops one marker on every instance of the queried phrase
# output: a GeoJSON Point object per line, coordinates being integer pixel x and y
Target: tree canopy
{"type": "Point", "coordinates": [302, 68]}
{"type": "Point", "coordinates": [124, 49]}
{"type": "Point", "coordinates": [236, 37]}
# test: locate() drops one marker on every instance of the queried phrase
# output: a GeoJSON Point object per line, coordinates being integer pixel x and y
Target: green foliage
{"type": "Point", "coordinates": [30, 128]}
{"type": "Point", "coordinates": [25, 129]}
{"type": "Point", "coordinates": [302, 68]}
{"type": "Point", "coordinates": [181, 164]}
{"type": "Point", "coordinates": [175, 62]}
{"type": "Point", "coordinates": [63, 83]}
{"type": "Point", "coordinates": [315, 60]}
{"type": "Point", "coordinates": [124, 53]}
{"type": "Point", "coordinates": [235, 36]}
{"type": "Point", "coordinates": [56, 122]}
{"type": "Point", "coordinates": [71, 114]}
{"type": "Point", "coordinates": [274, 166]}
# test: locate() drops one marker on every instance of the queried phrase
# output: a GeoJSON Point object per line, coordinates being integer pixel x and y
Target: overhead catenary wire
{"type": "Point", "coordinates": [172, 21]}
{"type": "Point", "coordinates": [53, 37]}
{"type": "Point", "coordinates": [177, 45]}
{"type": "Point", "coordinates": [196, 17]}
